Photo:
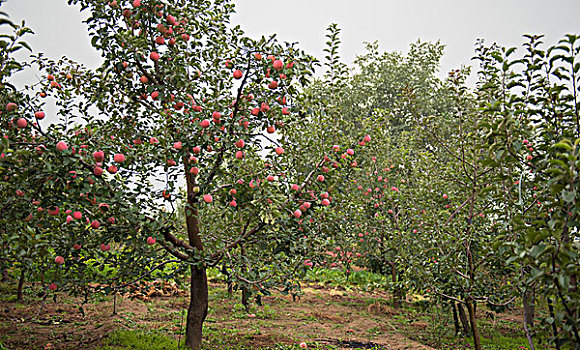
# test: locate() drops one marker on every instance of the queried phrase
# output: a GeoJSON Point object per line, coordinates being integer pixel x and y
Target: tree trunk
{"type": "Point", "coordinates": [473, 320]}
{"type": "Point", "coordinates": [198, 303]}
{"type": "Point", "coordinates": [20, 285]}
{"type": "Point", "coordinates": [396, 290]}
{"type": "Point", "coordinates": [463, 318]}
{"type": "Point", "coordinates": [554, 328]}
{"type": "Point", "coordinates": [197, 310]}
{"type": "Point", "coordinates": [528, 301]}
{"type": "Point", "coordinates": [455, 318]}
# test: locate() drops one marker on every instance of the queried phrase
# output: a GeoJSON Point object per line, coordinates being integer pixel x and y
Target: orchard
{"type": "Point", "coordinates": [204, 189]}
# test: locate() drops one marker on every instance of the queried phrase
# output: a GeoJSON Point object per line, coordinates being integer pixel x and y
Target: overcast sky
{"type": "Point", "coordinates": [394, 24]}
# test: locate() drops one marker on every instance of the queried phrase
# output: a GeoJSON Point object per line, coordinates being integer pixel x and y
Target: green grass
{"type": "Point", "coordinates": [139, 340]}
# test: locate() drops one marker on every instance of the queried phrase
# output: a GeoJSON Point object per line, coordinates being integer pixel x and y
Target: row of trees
{"type": "Point", "coordinates": [468, 194]}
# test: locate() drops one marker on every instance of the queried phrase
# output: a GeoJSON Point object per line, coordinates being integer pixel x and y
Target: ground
{"type": "Point", "coordinates": [325, 317]}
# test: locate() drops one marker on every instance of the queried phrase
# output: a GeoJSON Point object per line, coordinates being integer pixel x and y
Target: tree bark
{"type": "Point", "coordinates": [554, 328]}
{"type": "Point", "coordinates": [463, 318]}
{"type": "Point", "coordinates": [198, 303]}
{"type": "Point", "coordinates": [20, 285]}
{"type": "Point", "coordinates": [197, 310]}
{"type": "Point", "coordinates": [473, 322]}
{"type": "Point", "coordinates": [396, 290]}
{"type": "Point", "coordinates": [455, 318]}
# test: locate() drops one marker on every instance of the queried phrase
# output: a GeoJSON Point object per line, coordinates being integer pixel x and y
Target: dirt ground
{"type": "Point", "coordinates": [346, 320]}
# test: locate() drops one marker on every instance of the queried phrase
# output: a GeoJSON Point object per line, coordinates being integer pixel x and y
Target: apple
{"type": "Point", "coordinates": [238, 74]}
{"type": "Point", "coordinates": [59, 260]}
{"type": "Point", "coordinates": [196, 149]}
{"type": "Point", "coordinates": [39, 115]}
{"type": "Point", "coordinates": [136, 3]}
{"type": "Point", "coordinates": [119, 158]}
{"type": "Point", "coordinates": [52, 286]}
{"type": "Point", "coordinates": [112, 169]}
{"type": "Point", "coordinates": [151, 240]}
{"type": "Point", "coordinates": [295, 187]}
{"type": "Point", "coordinates": [99, 156]}
{"type": "Point", "coordinates": [336, 148]}
{"type": "Point", "coordinates": [105, 247]}
{"type": "Point", "coordinates": [325, 202]}
{"type": "Point", "coordinates": [273, 85]}
{"type": "Point", "coordinates": [233, 203]}
{"type": "Point", "coordinates": [285, 111]}
{"type": "Point", "coordinates": [98, 171]}
{"type": "Point", "coordinates": [21, 123]}
{"type": "Point", "coordinates": [77, 246]}
{"type": "Point", "coordinates": [204, 124]}
{"type": "Point", "coordinates": [69, 219]}
{"type": "Point", "coordinates": [271, 129]}
{"type": "Point", "coordinates": [207, 198]}
{"type": "Point", "coordinates": [367, 138]}
{"type": "Point", "coordinates": [255, 111]}
{"type": "Point", "coordinates": [445, 196]}
{"type": "Point", "coordinates": [320, 178]}
{"type": "Point", "coordinates": [53, 211]}
{"type": "Point", "coordinates": [95, 224]}
{"type": "Point", "coordinates": [144, 79]}
{"type": "Point", "coordinates": [160, 40]}
{"type": "Point", "coordinates": [297, 213]}
{"type": "Point", "coordinates": [239, 154]}
{"type": "Point", "coordinates": [233, 191]}
{"type": "Point", "coordinates": [194, 170]}
{"type": "Point", "coordinates": [77, 215]}
{"type": "Point", "coordinates": [270, 178]}
{"type": "Point", "coordinates": [258, 56]}
{"type": "Point", "coordinates": [11, 106]}
{"type": "Point", "coordinates": [279, 151]}
{"type": "Point", "coordinates": [350, 151]}
{"type": "Point", "coordinates": [278, 65]}
{"type": "Point", "coordinates": [240, 143]}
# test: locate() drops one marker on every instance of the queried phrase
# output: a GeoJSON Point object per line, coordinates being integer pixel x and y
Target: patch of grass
{"type": "Point", "coordinates": [139, 340]}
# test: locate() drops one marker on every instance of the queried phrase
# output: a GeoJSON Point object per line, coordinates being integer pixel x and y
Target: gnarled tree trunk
{"type": "Point", "coordinates": [197, 310]}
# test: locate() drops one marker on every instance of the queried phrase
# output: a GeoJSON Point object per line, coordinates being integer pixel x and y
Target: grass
{"type": "Point", "coordinates": [137, 340]}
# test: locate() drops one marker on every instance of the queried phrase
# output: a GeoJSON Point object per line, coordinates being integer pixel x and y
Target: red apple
{"type": "Point", "coordinates": [151, 240]}
{"type": "Point", "coordinates": [39, 115]}
{"type": "Point", "coordinates": [119, 158]}
{"type": "Point", "coordinates": [238, 74]}
{"type": "Point", "coordinates": [207, 198]}
{"type": "Point", "coordinates": [99, 156]}
{"type": "Point", "coordinates": [59, 260]}
{"type": "Point", "coordinates": [21, 123]}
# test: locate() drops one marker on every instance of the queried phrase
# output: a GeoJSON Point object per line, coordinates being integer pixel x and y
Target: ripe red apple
{"type": "Point", "coordinates": [95, 224]}
{"type": "Point", "coordinates": [297, 213]}
{"type": "Point", "coordinates": [196, 149]}
{"type": "Point", "coordinates": [112, 169]}
{"type": "Point", "coordinates": [59, 260]}
{"type": "Point", "coordinates": [144, 79]}
{"type": "Point", "coordinates": [320, 178]}
{"type": "Point", "coordinates": [77, 246]}
{"type": "Point", "coordinates": [11, 106]}
{"type": "Point", "coordinates": [204, 124]}
{"type": "Point", "coordinates": [119, 158]}
{"type": "Point", "coordinates": [238, 74]}
{"type": "Point", "coordinates": [285, 111]}
{"type": "Point", "coordinates": [105, 247]}
{"type": "Point", "coordinates": [77, 215]}
{"type": "Point", "coordinates": [69, 219]}
{"type": "Point", "coordinates": [233, 191]}
{"type": "Point", "coordinates": [278, 65]}
{"type": "Point", "coordinates": [52, 286]}
{"type": "Point", "coordinates": [194, 170]}
{"type": "Point", "coordinates": [233, 203]}
{"type": "Point", "coordinates": [258, 56]}
{"type": "Point", "coordinates": [445, 196]}
{"type": "Point", "coordinates": [295, 187]}
{"type": "Point", "coordinates": [324, 195]}
{"type": "Point", "coordinates": [136, 3]}
{"type": "Point", "coordinates": [367, 138]}
{"type": "Point", "coordinates": [21, 123]}
{"type": "Point", "coordinates": [154, 56]}
{"type": "Point", "coordinates": [270, 178]}
{"type": "Point", "coordinates": [273, 85]}
{"type": "Point", "coordinates": [151, 240]}
{"type": "Point", "coordinates": [350, 151]}
{"type": "Point", "coordinates": [255, 111]}
{"type": "Point", "coordinates": [207, 198]}
{"type": "Point", "coordinates": [279, 151]}
{"type": "Point", "coordinates": [160, 40]}
{"type": "Point", "coordinates": [271, 129]}
{"type": "Point", "coordinates": [240, 143]}
{"type": "Point", "coordinates": [103, 207]}
{"type": "Point", "coordinates": [39, 115]}
{"type": "Point", "coordinates": [99, 156]}
{"type": "Point", "coordinates": [98, 171]}
{"type": "Point", "coordinates": [325, 202]}
{"type": "Point", "coordinates": [53, 211]}
{"type": "Point", "coordinates": [239, 154]}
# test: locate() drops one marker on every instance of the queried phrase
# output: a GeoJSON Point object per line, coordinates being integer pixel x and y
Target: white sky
{"type": "Point", "coordinates": [395, 24]}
